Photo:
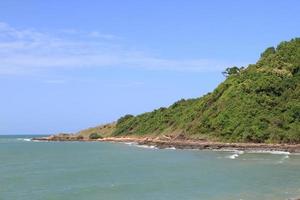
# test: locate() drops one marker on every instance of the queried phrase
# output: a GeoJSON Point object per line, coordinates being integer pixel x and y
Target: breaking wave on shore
{"type": "Point", "coordinates": [285, 155]}
{"type": "Point", "coordinates": [170, 148]}
{"type": "Point", "coordinates": [235, 155]}
{"type": "Point", "coordinates": [135, 144]}
{"type": "Point", "coordinates": [147, 146]}
{"type": "Point", "coordinates": [270, 152]}
{"type": "Point", "coordinates": [24, 139]}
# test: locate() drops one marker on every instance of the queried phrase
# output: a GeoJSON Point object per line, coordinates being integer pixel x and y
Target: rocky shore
{"type": "Point", "coordinates": [182, 143]}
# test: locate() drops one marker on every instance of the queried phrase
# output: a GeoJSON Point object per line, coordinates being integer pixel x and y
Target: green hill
{"type": "Point", "coordinates": [259, 103]}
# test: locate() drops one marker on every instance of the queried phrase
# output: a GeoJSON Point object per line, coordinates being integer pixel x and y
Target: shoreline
{"type": "Point", "coordinates": [187, 144]}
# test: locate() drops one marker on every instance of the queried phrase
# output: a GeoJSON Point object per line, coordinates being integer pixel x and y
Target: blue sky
{"type": "Point", "coordinates": [68, 65]}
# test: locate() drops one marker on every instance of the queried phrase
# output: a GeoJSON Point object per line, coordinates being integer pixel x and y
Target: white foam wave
{"type": "Point", "coordinates": [235, 155]}
{"type": "Point", "coordinates": [39, 141]}
{"type": "Point", "coordinates": [147, 146]}
{"type": "Point", "coordinates": [227, 150]}
{"type": "Point", "coordinates": [171, 148]}
{"type": "Point", "coordinates": [130, 143]}
{"type": "Point", "coordinates": [270, 152]}
{"type": "Point", "coordinates": [24, 139]}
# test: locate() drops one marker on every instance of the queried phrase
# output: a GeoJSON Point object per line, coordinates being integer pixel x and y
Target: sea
{"type": "Point", "coordinates": [31, 170]}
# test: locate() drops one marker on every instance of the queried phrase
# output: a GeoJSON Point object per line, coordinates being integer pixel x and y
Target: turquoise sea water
{"type": "Point", "coordinates": [114, 171]}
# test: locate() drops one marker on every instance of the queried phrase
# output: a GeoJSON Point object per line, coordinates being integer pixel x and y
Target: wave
{"type": "Point", "coordinates": [283, 159]}
{"type": "Point", "coordinates": [130, 143]}
{"type": "Point", "coordinates": [147, 146]}
{"type": "Point", "coordinates": [270, 152]}
{"type": "Point", "coordinates": [171, 148]}
{"type": "Point", "coordinates": [135, 144]}
{"type": "Point", "coordinates": [236, 154]}
{"type": "Point", "coordinates": [24, 139]}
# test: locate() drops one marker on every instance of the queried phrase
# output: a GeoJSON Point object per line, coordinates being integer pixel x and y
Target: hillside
{"type": "Point", "coordinates": [259, 103]}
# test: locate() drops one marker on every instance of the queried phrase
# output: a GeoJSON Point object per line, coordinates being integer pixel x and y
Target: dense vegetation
{"type": "Point", "coordinates": [259, 103]}
{"type": "Point", "coordinates": [95, 136]}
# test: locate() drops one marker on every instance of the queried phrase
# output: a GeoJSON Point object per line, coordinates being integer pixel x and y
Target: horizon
{"type": "Point", "coordinates": [61, 71]}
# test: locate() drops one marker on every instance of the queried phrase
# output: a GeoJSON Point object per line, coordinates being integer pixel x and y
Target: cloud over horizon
{"type": "Point", "coordinates": [27, 51]}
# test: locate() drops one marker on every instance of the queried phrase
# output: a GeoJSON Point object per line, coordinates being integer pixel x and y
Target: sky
{"type": "Point", "coordinates": [68, 65]}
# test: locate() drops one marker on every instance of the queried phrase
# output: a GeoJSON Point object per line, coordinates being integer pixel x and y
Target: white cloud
{"type": "Point", "coordinates": [97, 34]}
{"type": "Point", "coordinates": [30, 51]}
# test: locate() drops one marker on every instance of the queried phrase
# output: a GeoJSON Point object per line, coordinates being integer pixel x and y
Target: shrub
{"type": "Point", "coordinates": [95, 136]}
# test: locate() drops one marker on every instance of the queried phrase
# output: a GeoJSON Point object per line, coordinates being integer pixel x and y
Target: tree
{"type": "Point", "coordinates": [124, 118]}
{"type": "Point", "coordinates": [95, 136]}
{"type": "Point", "coordinates": [231, 70]}
{"type": "Point", "coordinates": [268, 51]}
